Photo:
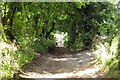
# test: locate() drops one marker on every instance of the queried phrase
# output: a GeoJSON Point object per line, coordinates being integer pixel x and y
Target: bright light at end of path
{"type": "Point", "coordinates": [60, 38]}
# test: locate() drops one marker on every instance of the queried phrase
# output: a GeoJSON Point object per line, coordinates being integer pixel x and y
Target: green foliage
{"type": "Point", "coordinates": [11, 59]}
{"type": "Point", "coordinates": [114, 46]}
{"type": "Point", "coordinates": [27, 24]}
{"type": "Point", "coordinates": [79, 45]}
{"type": "Point", "coordinates": [42, 45]}
{"type": "Point", "coordinates": [24, 57]}
{"type": "Point", "coordinates": [65, 39]}
{"type": "Point", "coordinates": [106, 43]}
{"type": "Point", "coordinates": [30, 27]}
{"type": "Point", "coordinates": [7, 63]}
{"type": "Point", "coordinates": [2, 34]}
{"type": "Point", "coordinates": [108, 55]}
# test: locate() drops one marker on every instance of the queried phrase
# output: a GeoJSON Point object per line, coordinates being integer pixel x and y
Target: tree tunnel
{"type": "Point", "coordinates": [37, 26]}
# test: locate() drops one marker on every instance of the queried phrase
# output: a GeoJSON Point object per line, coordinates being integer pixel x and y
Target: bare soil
{"type": "Point", "coordinates": [59, 62]}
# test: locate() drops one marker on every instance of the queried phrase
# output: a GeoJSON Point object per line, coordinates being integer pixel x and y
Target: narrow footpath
{"type": "Point", "coordinates": [60, 63]}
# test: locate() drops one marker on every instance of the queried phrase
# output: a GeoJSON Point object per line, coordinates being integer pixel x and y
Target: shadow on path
{"type": "Point", "coordinates": [61, 63]}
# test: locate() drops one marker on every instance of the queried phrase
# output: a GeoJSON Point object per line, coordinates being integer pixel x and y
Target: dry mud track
{"type": "Point", "coordinates": [66, 65]}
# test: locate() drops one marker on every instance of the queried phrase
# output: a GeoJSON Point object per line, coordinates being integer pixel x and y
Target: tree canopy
{"type": "Point", "coordinates": [31, 25]}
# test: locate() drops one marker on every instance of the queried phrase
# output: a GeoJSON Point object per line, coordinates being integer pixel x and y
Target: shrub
{"type": "Point", "coordinates": [12, 59]}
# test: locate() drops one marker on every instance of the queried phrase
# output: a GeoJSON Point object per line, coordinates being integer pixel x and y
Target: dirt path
{"type": "Point", "coordinates": [63, 64]}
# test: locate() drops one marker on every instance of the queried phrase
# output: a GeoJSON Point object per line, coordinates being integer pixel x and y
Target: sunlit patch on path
{"type": "Point", "coordinates": [90, 72]}
{"type": "Point", "coordinates": [78, 65]}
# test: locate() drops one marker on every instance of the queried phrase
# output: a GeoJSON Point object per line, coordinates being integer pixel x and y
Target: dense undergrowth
{"type": "Point", "coordinates": [11, 57]}
{"type": "Point", "coordinates": [30, 27]}
{"type": "Point", "coordinates": [107, 55]}
{"type": "Point", "coordinates": [106, 49]}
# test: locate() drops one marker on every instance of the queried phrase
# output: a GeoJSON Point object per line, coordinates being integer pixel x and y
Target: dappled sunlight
{"type": "Point", "coordinates": [4, 45]}
{"type": "Point", "coordinates": [59, 40]}
{"type": "Point", "coordinates": [7, 59]}
{"type": "Point", "coordinates": [63, 59]}
{"type": "Point", "coordinates": [65, 67]}
{"type": "Point", "coordinates": [88, 53]}
{"type": "Point", "coordinates": [79, 54]}
{"type": "Point", "coordinates": [61, 63]}
{"type": "Point", "coordinates": [89, 72]}
{"type": "Point", "coordinates": [102, 52]}
{"type": "Point", "coordinates": [80, 61]}
{"type": "Point", "coordinates": [85, 60]}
